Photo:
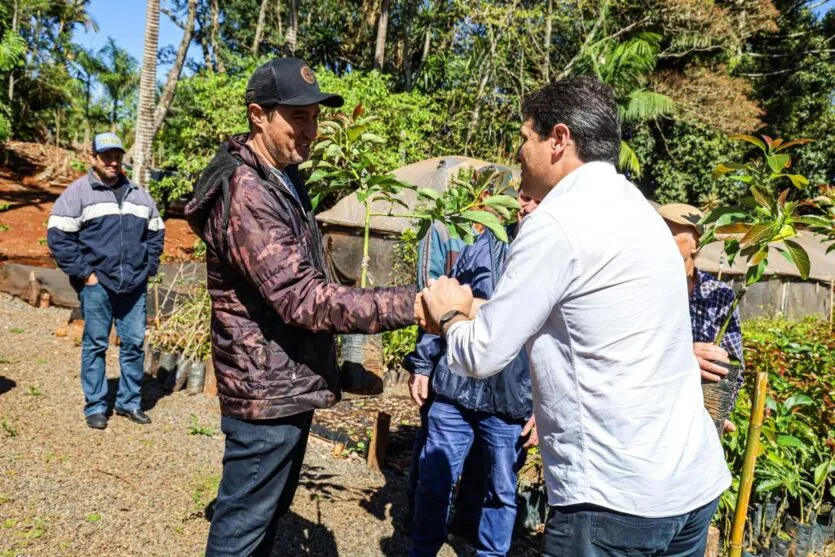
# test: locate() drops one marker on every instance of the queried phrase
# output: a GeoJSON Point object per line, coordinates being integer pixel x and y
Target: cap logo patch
{"type": "Point", "coordinates": [307, 75]}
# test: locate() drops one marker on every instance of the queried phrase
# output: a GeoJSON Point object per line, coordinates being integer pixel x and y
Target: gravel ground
{"type": "Point", "coordinates": [133, 490]}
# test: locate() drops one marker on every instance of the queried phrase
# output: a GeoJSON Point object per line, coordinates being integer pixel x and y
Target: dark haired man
{"type": "Point", "coordinates": [596, 293]}
{"type": "Point", "coordinates": [106, 234]}
{"type": "Point", "coordinates": [273, 307]}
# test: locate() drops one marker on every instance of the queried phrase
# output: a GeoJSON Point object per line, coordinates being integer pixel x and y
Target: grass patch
{"type": "Point", "coordinates": [197, 429]}
{"type": "Point", "coordinates": [33, 390]}
{"type": "Point", "coordinates": [93, 517]}
{"type": "Point", "coordinates": [4, 227]}
{"type": "Point", "coordinates": [8, 428]}
{"type": "Point", "coordinates": [41, 241]}
{"type": "Point", "coordinates": [204, 490]}
{"type": "Point", "coordinates": [5, 360]}
{"type": "Point", "coordinates": [17, 330]}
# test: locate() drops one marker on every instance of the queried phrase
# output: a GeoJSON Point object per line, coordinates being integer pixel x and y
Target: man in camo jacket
{"type": "Point", "coordinates": [274, 311]}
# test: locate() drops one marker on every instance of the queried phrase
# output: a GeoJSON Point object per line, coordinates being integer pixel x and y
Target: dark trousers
{"type": "Point", "coordinates": [261, 467]}
{"type": "Point", "coordinates": [591, 531]}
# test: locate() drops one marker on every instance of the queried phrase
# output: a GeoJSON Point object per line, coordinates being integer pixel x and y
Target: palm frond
{"type": "Point", "coordinates": [628, 160]}
{"type": "Point", "coordinates": [645, 105]}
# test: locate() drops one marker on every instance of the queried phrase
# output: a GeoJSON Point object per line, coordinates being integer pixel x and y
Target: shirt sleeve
{"type": "Point", "coordinates": [540, 271]}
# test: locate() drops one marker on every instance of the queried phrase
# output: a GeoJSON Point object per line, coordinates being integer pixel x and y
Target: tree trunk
{"type": "Point", "coordinates": [546, 43]}
{"type": "Point", "coordinates": [174, 74]}
{"type": "Point", "coordinates": [147, 88]}
{"type": "Point", "coordinates": [278, 18]}
{"type": "Point", "coordinates": [219, 67]}
{"type": "Point", "coordinates": [292, 28]}
{"type": "Point", "coordinates": [11, 72]}
{"type": "Point", "coordinates": [382, 29]}
{"type": "Point", "coordinates": [259, 29]}
{"type": "Point", "coordinates": [427, 43]}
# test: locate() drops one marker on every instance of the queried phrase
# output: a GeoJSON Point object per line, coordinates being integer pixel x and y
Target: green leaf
{"type": "Point", "coordinates": [489, 220]}
{"type": "Point", "coordinates": [750, 139]}
{"type": "Point", "coordinates": [429, 193]}
{"type": "Point", "coordinates": [821, 471]}
{"type": "Point", "coordinates": [756, 234]}
{"type": "Point", "coordinates": [814, 220]}
{"type": "Point", "coordinates": [769, 485]}
{"type": "Point", "coordinates": [792, 143]}
{"type": "Point", "coordinates": [790, 441]}
{"type": "Point", "coordinates": [755, 272]}
{"type": "Point", "coordinates": [724, 167]}
{"type": "Point", "coordinates": [777, 162]}
{"type": "Point", "coordinates": [724, 215]}
{"type": "Point", "coordinates": [762, 197]}
{"type": "Point", "coordinates": [501, 201]}
{"type": "Point", "coordinates": [797, 400]}
{"type": "Point", "coordinates": [800, 258]}
{"type": "Point", "coordinates": [372, 138]}
{"type": "Point", "coordinates": [798, 180]}
{"type": "Point", "coordinates": [354, 132]}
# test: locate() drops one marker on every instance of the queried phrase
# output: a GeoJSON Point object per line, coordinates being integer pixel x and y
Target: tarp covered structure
{"type": "Point", "coordinates": [432, 173]}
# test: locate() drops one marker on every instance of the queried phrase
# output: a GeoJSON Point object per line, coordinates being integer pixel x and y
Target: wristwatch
{"type": "Point", "coordinates": [448, 316]}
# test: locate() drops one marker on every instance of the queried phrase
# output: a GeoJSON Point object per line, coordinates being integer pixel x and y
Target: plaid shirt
{"type": "Point", "coordinates": [709, 304]}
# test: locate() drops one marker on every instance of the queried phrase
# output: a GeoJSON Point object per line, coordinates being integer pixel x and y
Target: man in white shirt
{"type": "Point", "coordinates": [594, 289]}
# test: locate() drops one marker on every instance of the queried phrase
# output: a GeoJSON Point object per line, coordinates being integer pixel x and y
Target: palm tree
{"type": "Point", "coordinates": [119, 77]}
{"type": "Point", "coordinates": [147, 91]}
{"type": "Point", "coordinates": [626, 67]}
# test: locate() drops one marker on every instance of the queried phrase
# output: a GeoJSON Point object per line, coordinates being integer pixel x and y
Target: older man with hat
{"type": "Point", "coordinates": [710, 299]}
{"type": "Point", "coordinates": [106, 234]}
{"type": "Point", "coordinates": [274, 310]}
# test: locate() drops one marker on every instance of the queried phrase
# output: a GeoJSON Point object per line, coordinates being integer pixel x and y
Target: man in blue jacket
{"type": "Point", "coordinates": [494, 413]}
{"type": "Point", "coordinates": [107, 235]}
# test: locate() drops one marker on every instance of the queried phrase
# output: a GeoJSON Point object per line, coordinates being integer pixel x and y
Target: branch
{"type": "Point", "coordinates": [767, 74]}
{"type": "Point", "coordinates": [669, 54]}
{"type": "Point", "coordinates": [173, 17]}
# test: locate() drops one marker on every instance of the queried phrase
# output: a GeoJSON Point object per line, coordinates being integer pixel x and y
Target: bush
{"type": "Point", "coordinates": [796, 462]}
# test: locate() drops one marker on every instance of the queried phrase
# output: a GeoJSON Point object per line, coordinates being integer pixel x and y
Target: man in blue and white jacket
{"type": "Point", "coordinates": [492, 415]}
{"type": "Point", "coordinates": [107, 235]}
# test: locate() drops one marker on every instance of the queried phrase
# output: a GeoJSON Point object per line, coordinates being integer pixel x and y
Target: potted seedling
{"type": "Point", "coordinates": [342, 163]}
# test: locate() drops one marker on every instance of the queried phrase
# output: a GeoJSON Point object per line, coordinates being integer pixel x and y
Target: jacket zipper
{"type": "Point", "coordinates": [121, 236]}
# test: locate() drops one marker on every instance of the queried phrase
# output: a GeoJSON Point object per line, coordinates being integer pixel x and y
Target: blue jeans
{"type": "Point", "coordinates": [261, 467]}
{"type": "Point", "coordinates": [451, 431]}
{"type": "Point", "coordinates": [591, 531]}
{"type": "Point", "coordinates": [470, 494]}
{"type": "Point", "coordinates": [99, 308]}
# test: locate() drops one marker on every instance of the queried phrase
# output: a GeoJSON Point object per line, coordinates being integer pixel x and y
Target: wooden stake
{"type": "Point", "coordinates": [379, 442]}
{"type": "Point", "coordinates": [210, 381]}
{"type": "Point", "coordinates": [712, 549]}
{"type": "Point", "coordinates": [749, 463]}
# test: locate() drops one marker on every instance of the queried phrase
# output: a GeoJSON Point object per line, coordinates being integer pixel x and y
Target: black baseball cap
{"type": "Point", "coordinates": [289, 82]}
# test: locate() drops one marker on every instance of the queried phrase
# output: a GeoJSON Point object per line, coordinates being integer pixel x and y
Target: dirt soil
{"type": "Point", "coordinates": [32, 176]}
{"type": "Point", "coordinates": [145, 490]}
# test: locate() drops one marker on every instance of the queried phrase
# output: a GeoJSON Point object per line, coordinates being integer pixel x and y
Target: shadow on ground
{"type": "Point", "coordinates": [6, 385]}
{"type": "Point", "coordinates": [152, 391]}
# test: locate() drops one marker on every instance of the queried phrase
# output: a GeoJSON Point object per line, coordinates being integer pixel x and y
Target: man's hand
{"type": "Point", "coordinates": [420, 317]}
{"type": "Point", "coordinates": [477, 303]}
{"type": "Point", "coordinates": [529, 431]}
{"type": "Point", "coordinates": [419, 388]}
{"type": "Point", "coordinates": [443, 295]}
{"type": "Point", "coordinates": [91, 280]}
{"type": "Point", "coordinates": [728, 427]}
{"type": "Point", "coordinates": [707, 354]}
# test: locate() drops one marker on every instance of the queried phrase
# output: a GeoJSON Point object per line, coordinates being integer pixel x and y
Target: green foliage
{"type": "Point", "coordinates": [397, 345]}
{"type": "Point", "coordinates": [9, 429]}
{"type": "Point", "coordinates": [795, 464]}
{"type": "Point", "coordinates": [471, 198]}
{"type": "Point", "coordinates": [188, 328]}
{"type": "Point", "coordinates": [767, 216]}
{"type": "Point", "coordinates": [33, 390]}
{"type": "Point", "coordinates": [196, 428]}
{"type": "Point", "coordinates": [405, 256]}
{"type": "Point", "coordinates": [405, 121]}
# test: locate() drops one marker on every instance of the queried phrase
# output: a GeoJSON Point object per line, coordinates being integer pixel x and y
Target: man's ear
{"type": "Point", "coordinates": [256, 114]}
{"type": "Point", "coordinates": [559, 138]}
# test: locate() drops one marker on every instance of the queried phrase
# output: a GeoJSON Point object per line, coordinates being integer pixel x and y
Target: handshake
{"type": "Point", "coordinates": [443, 301]}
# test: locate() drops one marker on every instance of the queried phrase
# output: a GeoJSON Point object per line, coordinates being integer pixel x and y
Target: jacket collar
{"type": "Point", "coordinates": [96, 183]}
